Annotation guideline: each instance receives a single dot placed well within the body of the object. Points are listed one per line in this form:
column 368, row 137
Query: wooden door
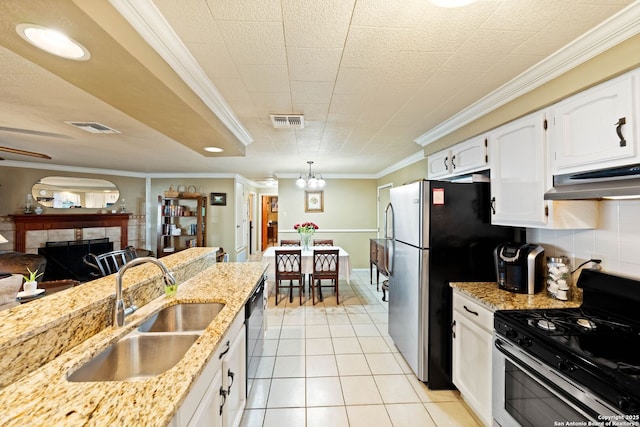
column 265, row 218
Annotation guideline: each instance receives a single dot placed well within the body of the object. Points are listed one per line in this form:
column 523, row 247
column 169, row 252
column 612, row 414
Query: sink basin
column 135, row 357
column 182, row 317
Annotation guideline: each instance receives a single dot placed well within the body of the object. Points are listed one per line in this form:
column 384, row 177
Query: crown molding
column 401, row 164
column 67, row 168
column 147, row 20
column 611, row 32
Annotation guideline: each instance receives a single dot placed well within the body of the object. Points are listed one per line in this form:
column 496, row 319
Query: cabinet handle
column 225, row 351
column 493, row 205
column 621, row 121
column 223, row 393
column 230, row 374
column 453, row 329
column 470, row 311
column 446, row 165
column 453, row 159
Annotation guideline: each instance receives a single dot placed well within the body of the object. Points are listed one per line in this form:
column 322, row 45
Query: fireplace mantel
column 24, row 223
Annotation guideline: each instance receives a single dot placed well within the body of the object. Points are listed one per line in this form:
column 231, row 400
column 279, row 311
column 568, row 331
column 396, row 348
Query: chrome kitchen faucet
column 120, row 311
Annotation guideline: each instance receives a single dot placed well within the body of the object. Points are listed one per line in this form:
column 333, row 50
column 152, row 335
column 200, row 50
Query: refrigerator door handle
column 389, row 238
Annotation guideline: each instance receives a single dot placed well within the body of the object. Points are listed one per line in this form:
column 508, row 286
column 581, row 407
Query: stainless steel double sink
column 153, row 348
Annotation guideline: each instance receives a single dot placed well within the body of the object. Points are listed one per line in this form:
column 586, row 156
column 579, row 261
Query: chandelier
column 311, row 180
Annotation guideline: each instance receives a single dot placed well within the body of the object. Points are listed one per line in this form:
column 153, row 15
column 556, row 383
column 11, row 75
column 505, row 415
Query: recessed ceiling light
column 213, row 149
column 451, row 3
column 53, row 41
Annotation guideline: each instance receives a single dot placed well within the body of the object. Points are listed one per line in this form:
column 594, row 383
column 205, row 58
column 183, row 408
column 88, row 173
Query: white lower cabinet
column 234, row 380
column 218, row 397
column 472, row 331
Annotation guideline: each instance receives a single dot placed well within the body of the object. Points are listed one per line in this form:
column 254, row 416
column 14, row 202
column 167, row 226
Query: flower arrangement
column 306, row 227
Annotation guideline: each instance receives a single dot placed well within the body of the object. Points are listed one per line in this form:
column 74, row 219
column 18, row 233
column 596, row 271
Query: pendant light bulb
column 310, row 180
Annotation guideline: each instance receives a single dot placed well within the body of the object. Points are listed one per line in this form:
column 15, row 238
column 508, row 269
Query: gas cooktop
column 596, row 344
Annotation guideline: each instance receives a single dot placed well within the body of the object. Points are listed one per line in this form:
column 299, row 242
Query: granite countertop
column 494, row 298
column 45, row 397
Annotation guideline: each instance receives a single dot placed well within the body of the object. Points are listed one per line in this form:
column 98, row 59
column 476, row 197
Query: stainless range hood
column 619, row 182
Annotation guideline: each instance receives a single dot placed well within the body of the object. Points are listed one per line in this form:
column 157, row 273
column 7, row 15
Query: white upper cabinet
column 518, row 181
column 520, row 177
column 596, row 128
column 439, row 164
column 465, row 157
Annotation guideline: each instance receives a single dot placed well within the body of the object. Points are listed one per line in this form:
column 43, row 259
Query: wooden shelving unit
column 181, row 223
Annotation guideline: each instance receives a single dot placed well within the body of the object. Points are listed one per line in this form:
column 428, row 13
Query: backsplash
column 616, row 240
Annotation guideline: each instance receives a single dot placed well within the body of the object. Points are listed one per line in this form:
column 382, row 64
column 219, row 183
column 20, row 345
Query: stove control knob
column 511, row 333
column 565, row 365
column 524, row 342
column 625, row 404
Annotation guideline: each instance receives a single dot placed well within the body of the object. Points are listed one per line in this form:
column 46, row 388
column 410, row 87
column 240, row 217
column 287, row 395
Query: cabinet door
column 439, row 164
column 469, row 156
column 208, row 413
column 234, row 380
column 471, row 374
column 518, row 169
column 586, row 130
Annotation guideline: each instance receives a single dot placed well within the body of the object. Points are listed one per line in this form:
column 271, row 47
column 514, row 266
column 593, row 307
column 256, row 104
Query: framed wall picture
column 313, row 201
column 274, row 204
column 219, row 199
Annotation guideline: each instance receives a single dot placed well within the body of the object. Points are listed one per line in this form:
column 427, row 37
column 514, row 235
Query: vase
column 30, row 287
column 305, row 241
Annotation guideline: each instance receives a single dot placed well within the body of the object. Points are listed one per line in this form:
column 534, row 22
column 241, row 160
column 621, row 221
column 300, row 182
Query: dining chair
column 326, row 265
column 289, row 267
column 323, row 242
column 289, row 242
column 109, row 262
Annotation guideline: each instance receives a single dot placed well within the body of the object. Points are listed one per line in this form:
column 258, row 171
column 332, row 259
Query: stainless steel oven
column 528, row 392
column 571, row 366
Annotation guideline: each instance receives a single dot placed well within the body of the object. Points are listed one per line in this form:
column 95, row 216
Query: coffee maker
column 519, row 267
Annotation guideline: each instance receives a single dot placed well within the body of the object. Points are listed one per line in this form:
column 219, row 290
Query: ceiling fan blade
column 24, row 152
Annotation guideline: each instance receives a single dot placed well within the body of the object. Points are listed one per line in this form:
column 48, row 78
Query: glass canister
column 559, row 277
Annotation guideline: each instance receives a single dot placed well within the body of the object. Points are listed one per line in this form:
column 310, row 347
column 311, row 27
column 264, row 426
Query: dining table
column 344, row 266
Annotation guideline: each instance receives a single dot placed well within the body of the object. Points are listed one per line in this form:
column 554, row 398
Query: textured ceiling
column 370, row 76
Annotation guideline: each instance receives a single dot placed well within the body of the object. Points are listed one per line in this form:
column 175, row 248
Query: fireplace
column 64, row 259
column 77, row 222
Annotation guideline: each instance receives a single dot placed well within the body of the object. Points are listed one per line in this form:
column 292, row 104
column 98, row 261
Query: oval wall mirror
column 65, row 192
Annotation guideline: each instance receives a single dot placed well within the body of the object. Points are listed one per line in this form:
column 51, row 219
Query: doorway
column 269, row 221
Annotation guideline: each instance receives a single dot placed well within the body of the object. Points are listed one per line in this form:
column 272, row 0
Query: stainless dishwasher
column 254, row 322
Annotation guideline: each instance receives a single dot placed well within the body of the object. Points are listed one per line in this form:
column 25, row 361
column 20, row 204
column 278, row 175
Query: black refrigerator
column 439, row 232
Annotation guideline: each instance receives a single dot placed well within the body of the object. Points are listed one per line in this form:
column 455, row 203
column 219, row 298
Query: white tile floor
column 334, row 365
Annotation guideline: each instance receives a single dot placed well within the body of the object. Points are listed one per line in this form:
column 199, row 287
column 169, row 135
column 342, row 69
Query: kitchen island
column 43, row 396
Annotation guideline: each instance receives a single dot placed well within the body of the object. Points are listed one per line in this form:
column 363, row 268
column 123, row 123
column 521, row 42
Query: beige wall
column 16, row 183
column 220, row 220
column 413, row 172
column 349, row 216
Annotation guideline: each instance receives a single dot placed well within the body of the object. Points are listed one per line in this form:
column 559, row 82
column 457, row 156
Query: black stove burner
column 545, row 324
column 586, row 323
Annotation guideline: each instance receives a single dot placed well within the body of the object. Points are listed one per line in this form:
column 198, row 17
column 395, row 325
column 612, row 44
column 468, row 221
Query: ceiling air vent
column 287, row 121
column 93, row 127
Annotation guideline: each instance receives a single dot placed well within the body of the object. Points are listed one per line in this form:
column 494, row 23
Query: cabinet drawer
column 474, row 311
